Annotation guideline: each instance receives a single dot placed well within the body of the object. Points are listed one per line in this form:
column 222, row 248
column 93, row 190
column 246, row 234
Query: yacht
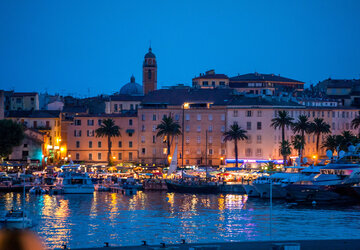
column 71, row 181
column 336, row 182
column 16, row 220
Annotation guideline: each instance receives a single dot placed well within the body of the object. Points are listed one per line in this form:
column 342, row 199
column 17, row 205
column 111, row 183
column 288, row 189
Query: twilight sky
column 93, row 47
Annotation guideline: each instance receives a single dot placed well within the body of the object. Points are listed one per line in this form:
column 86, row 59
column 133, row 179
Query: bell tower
column 149, row 72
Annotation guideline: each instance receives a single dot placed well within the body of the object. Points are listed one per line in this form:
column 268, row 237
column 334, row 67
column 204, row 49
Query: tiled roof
column 126, row 98
column 34, row 114
column 212, row 76
column 257, row 77
column 124, row 114
column 180, row 96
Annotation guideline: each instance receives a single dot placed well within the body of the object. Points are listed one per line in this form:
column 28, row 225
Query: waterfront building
column 47, row 122
column 210, row 80
column 2, row 104
column 84, row 146
column 24, row 101
column 149, row 72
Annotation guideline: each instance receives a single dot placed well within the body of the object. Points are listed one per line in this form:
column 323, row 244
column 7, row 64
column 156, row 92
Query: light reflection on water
column 91, row 220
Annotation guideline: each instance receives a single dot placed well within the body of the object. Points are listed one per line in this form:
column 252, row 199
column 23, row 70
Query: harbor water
column 89, row 220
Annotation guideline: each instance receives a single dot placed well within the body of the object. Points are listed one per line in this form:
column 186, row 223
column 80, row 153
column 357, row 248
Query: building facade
column 24, row 101
column 149, row 72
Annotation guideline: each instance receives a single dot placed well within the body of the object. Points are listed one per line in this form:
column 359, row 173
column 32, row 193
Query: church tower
column 149, row 72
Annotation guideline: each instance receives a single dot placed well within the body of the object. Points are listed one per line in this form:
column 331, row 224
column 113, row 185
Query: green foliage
column 355, row 123
column 168, row 128
column 285, row 148
column 11, row 135
column 318, row 127
column 235, row 134
column 298, row 143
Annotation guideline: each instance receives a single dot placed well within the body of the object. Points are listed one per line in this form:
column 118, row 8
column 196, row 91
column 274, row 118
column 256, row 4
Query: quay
column 339, row 244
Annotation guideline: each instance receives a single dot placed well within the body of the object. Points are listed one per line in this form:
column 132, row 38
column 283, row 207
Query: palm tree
column 331, row 142
column 168, row 128
column 236, row 133
column 283, row 119
column 108, row 129
column 347, row 138
column 285, row 149
column 301, row 126
column 318, row 127
column 298, row 143
column 355, row 123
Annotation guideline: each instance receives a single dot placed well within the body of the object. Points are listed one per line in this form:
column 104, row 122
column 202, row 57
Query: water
column 90, row 220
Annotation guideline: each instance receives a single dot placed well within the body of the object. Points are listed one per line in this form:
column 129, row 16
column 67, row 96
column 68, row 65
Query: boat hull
column 251, row 191
column 184, row 188
column 78, row 190
column 278, row 192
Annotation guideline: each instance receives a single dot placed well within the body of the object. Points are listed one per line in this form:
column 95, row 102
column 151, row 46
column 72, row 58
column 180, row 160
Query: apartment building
column 24, row 101
column 84, row 146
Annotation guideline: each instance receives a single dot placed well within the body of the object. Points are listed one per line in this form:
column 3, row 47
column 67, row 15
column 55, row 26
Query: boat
column 337, row 182
column 37, row 190
column 250, row 190
column 71, row 181
column 16, row 220
column 184, row 186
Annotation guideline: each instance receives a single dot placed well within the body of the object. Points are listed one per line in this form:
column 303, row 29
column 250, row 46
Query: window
column 177, row 117
column 154, row 117
column 210, row 139
column 142, row 139
column 25, row 145
column 99, row 122
column 210, row 128
column 90, row 122
column 213, row 83
column 130, row 122
column 198, row 151
column 143, row 117
column 259, row 113
column 258, row 152
column 248, row 152
column 99, row 156
column 223, row 117
column 187, row 128
column 154, row 139
column 130, row 156
column 198, row 117
column 115, row 107
column 120, row 144
column 99, row 144
column 149, row 74
column 131, row 106
column 222, row 128
column 120, row 156
column 205, row 83
column 258, row 139
column 47, row 124
column 90, row 144
column 222, row 83
column 143, row 151
column 258, row 126
column 187, row 139
column 90, row 133
column 77, row 133
column 248, row 125
column 77, row 156
column 198, row 139
column 248, row 140
column 210, row 151
column 90, row 156
column 77, row 122
column 154, row 128
column 235, row 113
column 198, row 129
column 77, row 144
column 130, row 144
column 143, row 128
column 187, row 117
column 210, row 117
column 248, row 113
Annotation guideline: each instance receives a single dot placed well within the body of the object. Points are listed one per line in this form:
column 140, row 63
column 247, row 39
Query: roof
column 180, row 96
column 150, row 54
column 22, row 94
column 34, row 114
column 212, row 76
column 124, row 114
column 257, row 77
column 74, row 109
column 131, row 88
column 259, row 101
column 126, row 98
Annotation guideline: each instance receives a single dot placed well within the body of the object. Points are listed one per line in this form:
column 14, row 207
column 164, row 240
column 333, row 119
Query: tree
column 236, row 133
column 281, row 121
column 331, row 142
column 108, row 129
column 355, row 123
column 298, row 143
column 285, row 149
column 318, row 127
column 11, row 135
column 302, row 126
column 167, row 129
column 347, row 138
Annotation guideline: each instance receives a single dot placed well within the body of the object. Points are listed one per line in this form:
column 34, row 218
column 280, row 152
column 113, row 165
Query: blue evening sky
column 93, row 47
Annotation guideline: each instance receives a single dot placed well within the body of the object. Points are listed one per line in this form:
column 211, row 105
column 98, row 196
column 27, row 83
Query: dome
column 131, row 88
column 150, row 54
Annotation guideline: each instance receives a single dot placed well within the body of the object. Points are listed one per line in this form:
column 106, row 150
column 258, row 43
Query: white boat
column 37, row 190
column 16, row 220
column 70, row 181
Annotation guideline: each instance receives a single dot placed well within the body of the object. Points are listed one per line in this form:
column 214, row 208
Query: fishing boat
column 16, row 220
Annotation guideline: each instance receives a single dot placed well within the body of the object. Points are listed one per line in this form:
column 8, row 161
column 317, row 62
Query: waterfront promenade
column 259, row 245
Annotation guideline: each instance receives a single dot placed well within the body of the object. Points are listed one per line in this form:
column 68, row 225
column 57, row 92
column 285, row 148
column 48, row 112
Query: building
column 122, row 103
column 265, row 84
column 149, row 72
column 84, row 146
column 47, row 122
column 200, row 113
column 2, row 104
column 24, row 101
column 211, row 80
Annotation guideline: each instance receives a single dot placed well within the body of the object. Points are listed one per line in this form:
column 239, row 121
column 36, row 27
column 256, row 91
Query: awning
column 130, row 131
